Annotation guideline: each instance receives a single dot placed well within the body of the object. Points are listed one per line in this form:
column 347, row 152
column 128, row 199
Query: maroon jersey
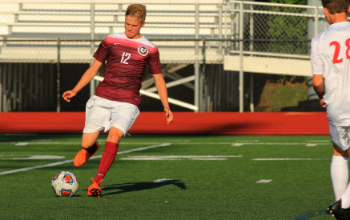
column 127, row 60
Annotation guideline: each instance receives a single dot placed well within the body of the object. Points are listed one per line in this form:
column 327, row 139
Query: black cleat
column 336, row 211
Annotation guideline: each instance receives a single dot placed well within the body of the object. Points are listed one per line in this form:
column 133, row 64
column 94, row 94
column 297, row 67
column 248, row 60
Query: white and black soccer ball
column 65, row 184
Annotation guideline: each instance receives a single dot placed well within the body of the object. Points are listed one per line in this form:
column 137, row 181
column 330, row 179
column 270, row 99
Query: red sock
column 107, row 160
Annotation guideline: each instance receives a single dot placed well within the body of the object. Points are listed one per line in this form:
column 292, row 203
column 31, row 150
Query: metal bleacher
column 69, row 32
column 76, row 24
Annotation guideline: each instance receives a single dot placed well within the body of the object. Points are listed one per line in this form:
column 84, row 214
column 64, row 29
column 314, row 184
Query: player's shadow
column 131, row 187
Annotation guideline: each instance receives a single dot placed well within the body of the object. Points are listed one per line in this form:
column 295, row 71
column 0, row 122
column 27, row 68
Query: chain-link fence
column 216, row 43
column 32, row 67
column 277, row 22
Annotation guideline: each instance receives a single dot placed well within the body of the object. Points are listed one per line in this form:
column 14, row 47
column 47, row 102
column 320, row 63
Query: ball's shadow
column 75, row 195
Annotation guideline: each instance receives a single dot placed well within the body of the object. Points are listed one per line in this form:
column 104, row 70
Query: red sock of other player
column 107, row 160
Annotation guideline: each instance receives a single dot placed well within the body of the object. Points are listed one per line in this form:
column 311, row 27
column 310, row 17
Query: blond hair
column 137, row 11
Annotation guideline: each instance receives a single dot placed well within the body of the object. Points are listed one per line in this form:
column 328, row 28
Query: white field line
column 279, row 159
column 162, row 180
column 263, row 181
column 71, row 161
column 30, row 157
column 277, row 143
column 179, row 157
column 237, row 144
column 21, row 144
column 328, row 141
column 248, row 141
column 189, row 143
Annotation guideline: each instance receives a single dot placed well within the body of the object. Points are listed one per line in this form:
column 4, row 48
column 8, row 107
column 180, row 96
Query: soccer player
column 330, row 55
column 115, row 105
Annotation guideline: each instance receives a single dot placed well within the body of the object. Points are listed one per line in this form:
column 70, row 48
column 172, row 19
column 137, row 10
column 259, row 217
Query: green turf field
column 209, row 177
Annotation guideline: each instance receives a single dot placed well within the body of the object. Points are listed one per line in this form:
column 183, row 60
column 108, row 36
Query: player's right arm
column 85, row 79
column 318, row 84
column 317, row 65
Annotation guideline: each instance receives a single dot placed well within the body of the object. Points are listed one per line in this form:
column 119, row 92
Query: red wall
column 226, row 123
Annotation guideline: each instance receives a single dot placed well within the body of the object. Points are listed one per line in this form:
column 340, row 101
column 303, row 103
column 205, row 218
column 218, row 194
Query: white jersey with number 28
column 330, row 55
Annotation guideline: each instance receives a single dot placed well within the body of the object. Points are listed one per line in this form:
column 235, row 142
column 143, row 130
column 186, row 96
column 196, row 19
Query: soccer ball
column 65, row 184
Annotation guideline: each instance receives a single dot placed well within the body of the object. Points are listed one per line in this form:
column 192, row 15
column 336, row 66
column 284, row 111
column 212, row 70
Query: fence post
column 252, row 92
column 316, row 20
column 203, row 94
column 0, row 95
column 220, row 28
column 241, row 79
column 196, row 64
column 251, row 47
column 58, row 109
column 92, row 82
column 92, row 28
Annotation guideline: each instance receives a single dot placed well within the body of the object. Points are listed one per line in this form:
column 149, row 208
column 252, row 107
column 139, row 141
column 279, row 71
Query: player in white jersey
column 330, row 58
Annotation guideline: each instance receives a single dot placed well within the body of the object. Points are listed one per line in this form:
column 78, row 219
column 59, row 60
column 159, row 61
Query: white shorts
column 340, row 136
column 103, row 113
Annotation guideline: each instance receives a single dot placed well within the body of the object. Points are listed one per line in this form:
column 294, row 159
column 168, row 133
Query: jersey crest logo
column 143, row 50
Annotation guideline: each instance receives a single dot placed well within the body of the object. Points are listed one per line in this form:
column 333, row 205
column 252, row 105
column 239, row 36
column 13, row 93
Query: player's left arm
column 163, row 94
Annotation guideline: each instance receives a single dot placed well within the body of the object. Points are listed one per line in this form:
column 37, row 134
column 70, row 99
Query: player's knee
column 115, row 135
column 338, row 151
column 86, row 144
column 114, row 139
column 342, row 154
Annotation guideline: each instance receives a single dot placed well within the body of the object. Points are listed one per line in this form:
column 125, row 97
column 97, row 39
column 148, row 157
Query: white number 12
column 125, row 57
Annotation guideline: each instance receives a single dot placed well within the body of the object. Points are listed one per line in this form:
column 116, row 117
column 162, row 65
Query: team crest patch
column 143, row 50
